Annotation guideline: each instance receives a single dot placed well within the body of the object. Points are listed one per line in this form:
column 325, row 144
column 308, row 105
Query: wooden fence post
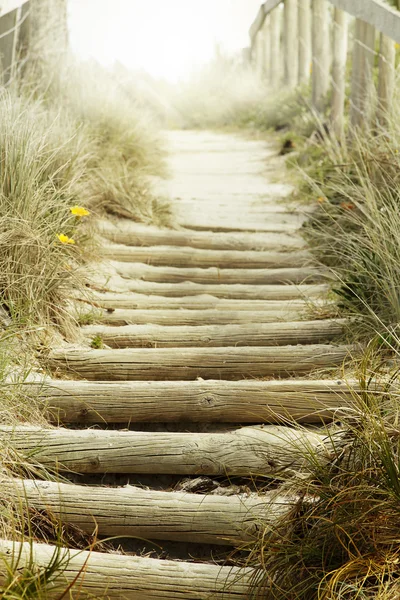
column 290, row 35
column 387, row 57
column 320, row 53
column 267, row 48
column 340, row 44
column 305, row 53
column 275, row 47
column 362, row 72
column 8, row 23
column 259, row 54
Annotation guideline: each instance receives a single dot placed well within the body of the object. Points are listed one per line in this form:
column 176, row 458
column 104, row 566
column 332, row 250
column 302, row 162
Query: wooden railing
column 14, row 16
column 295, row 41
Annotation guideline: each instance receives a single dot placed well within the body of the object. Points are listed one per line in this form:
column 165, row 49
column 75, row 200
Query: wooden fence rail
column 313, row 38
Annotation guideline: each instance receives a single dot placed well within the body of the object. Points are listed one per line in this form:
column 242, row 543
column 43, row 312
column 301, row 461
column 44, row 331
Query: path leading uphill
column 210, row 341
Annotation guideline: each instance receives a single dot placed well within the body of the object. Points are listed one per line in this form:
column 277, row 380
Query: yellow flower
column 321, row 200
column 79, row 211
column 64, row 239
column 397, row 46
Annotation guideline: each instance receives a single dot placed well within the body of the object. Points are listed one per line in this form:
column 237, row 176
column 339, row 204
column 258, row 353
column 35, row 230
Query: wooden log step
column 134, row 234
column 213, row 275
column 149, row 514
column 265, row 450
column 243, row 219
column 219, row 290
column 132, row 300
column 189, row 363
column 246, row 401
column 119, row 577
column 171, row 317
column 190, row 258
column 250, row 334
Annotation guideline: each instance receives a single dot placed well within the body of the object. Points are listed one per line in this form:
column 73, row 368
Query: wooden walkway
column 210, row 343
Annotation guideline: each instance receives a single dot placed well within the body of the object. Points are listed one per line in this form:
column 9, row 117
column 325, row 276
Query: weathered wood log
column 181, row 316
column 149, row 514
column 246, row 401
column 219, row 290
column 220, row 276
column 228, row 218
column 266, row 450
column 250, row 334
column 117, row 577
column 131, row 301
column 133, row 234
column 173, row 364
column 194, row 257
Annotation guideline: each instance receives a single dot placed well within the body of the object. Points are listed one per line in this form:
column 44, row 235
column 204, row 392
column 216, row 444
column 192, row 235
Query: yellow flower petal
column 79, row 211
column 64, row 239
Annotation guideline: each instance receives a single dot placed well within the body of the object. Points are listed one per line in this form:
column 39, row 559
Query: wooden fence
column 37, row 26
column 296, row 42
column 14, row 17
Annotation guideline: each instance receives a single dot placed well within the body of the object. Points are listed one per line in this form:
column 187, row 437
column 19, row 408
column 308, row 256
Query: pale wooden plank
column 377, row 13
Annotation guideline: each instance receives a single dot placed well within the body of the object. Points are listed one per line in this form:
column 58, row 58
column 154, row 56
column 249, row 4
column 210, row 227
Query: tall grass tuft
column 341, row 538
column 42, row 162
column 356, row 227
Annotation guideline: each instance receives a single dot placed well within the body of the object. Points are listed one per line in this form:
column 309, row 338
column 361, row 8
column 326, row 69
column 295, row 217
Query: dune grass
column 74, row 144
column 228, row 94
column 340, row 539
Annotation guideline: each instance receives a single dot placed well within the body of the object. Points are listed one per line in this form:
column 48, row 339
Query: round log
column 249, row 334
column 173, row 364
column 247, row 401
column 114, row 576
column 219, row 290
column 134, row 234
column 149, row 514
column 190, row 258
column 248, row 451
column 214, row 275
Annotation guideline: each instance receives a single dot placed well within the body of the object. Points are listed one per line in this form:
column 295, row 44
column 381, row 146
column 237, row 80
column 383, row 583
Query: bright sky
column 167, row 38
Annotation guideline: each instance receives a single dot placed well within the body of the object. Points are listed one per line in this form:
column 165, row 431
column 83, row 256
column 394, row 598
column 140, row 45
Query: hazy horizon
column 165, row 39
